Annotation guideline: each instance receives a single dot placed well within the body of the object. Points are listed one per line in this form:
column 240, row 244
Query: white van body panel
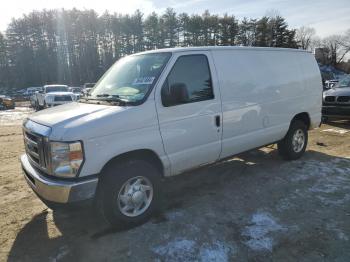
column 261, row 93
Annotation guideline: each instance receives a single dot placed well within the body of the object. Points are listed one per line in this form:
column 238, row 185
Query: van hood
column 66, row 113
column 75, row 118
column 80, row 121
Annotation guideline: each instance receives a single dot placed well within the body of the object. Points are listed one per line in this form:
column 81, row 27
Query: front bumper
column 55, row 190
column 336, row 111
column 52, row 104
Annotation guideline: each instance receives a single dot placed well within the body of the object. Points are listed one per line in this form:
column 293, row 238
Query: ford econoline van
column 159, row 113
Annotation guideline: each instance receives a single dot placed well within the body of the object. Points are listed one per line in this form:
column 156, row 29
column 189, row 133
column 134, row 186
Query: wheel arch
column 304, row 117
column 140, row 154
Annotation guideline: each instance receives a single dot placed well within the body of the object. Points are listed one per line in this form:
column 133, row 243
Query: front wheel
column 294, row 143
column 129, row 193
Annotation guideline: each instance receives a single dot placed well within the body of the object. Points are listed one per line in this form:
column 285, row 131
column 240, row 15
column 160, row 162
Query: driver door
column 190, row 125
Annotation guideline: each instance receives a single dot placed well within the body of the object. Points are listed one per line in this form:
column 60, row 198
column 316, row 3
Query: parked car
column 6, row 102
column 336, row 101
column 52, row 95
column 87, row 88
column 160, row 113
column 32, row 98
column 77, row 91
column 31, row 90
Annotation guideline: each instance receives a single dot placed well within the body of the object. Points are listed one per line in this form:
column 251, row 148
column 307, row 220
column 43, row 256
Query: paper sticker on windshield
column 147, row 80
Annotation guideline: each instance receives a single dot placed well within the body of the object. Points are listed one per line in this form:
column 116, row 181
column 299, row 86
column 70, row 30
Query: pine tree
column 229, row 30
column 170, row 27
column 77, row 46
column 262, row 34
column 152, row 31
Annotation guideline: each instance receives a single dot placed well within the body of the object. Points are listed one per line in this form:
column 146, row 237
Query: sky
column 326, row 16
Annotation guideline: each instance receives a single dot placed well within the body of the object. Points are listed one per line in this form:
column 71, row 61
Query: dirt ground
column 254, row 207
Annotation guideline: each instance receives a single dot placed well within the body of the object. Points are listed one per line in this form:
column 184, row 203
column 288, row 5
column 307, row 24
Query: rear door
column 191, row 130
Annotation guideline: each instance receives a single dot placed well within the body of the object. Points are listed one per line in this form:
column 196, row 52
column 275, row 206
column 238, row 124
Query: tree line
column 334, row 48
column 77, row 46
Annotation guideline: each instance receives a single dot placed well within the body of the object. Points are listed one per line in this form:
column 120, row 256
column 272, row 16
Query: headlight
column 66, row 158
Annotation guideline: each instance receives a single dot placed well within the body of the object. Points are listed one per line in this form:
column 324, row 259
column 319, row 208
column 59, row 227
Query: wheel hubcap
column 135, row 196
column 298, row 140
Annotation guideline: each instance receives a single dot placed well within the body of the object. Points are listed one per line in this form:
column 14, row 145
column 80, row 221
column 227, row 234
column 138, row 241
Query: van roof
column 209, row 48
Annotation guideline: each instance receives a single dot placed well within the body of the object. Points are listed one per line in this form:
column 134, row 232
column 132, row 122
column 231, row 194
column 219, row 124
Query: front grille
column 343, row 99
column 36, row 149
column 63, row 98
column 329, row 98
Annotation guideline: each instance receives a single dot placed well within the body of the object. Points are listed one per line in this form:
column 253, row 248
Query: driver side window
column 188, row 81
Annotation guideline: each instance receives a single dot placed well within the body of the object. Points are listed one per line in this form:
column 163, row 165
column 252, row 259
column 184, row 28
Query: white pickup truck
column 52, row 95
column 159, row 113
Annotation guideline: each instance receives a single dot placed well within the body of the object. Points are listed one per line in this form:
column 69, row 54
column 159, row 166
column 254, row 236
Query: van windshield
column 131, row 78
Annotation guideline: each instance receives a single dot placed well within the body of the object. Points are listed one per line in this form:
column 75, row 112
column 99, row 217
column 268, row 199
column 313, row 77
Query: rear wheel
column 37, row 106
column 129, row 193
column 294, row 143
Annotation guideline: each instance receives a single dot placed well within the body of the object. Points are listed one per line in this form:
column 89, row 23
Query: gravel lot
column 253, row 207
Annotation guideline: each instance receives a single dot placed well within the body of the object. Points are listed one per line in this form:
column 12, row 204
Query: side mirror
column 176, row 94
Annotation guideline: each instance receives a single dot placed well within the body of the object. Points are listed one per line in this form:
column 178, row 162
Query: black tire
column 285, row 146
column 113, row 179
column 37, row 107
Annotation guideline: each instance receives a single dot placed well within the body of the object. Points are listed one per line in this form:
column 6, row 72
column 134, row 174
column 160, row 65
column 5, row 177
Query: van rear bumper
column 55, row 190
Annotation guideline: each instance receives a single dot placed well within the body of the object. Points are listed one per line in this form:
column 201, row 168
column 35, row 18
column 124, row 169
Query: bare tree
column 345, row 44
column 338, row 46
column 316, row 41
column 305, row 36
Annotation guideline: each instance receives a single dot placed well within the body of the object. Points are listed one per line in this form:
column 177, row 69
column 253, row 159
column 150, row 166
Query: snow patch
column 14, row 116
column 174, row 215
column 263, row 224
column 188, row 250
column 62, row 252
column 216, row 252
column 336, row 131
column 330, row 181
column 177, row 250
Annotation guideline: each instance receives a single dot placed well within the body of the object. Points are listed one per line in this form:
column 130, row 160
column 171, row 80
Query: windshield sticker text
column 147, row 80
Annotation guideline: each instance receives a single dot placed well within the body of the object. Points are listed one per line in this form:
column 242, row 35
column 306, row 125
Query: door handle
column 217, row 121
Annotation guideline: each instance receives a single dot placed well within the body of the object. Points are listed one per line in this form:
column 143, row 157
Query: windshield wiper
column 106, row 95
column 110, row 98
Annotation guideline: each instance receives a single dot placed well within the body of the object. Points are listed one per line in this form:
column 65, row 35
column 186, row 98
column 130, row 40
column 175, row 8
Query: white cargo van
column 157, row 114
